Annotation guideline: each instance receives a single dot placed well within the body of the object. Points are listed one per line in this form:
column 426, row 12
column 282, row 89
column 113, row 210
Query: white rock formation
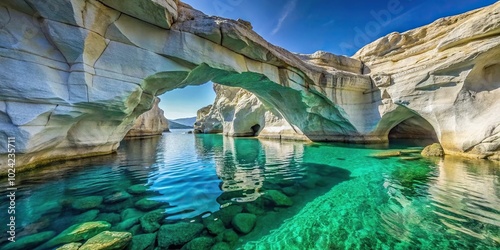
column 237, row 112
column 151, row 123
column 446, row 73
column 76, row 74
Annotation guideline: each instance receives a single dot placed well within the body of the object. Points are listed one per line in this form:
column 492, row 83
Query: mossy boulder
column 117, row 207
column 108, row 240
column 226, row 214
column 244, row 222
column 143, row 242
column 137, row 189
column 147, row 204
column 150, row 222
column 277, row 198
column 30, row 241
column 178, row 234
column 433, row 150
column 254, row 209
column 130, row 213
column 221, row 246
column 70, row 246
column 87, row 203
column 230, row 236
column 126, row 224
column 90, row 215
column 78, row 232
column 112, row 218
column 199, row 243
column 214, row 225
column 117, row 196
column 291, row 191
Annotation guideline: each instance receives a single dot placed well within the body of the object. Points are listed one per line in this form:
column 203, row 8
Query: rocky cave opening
column 413, row 131
column 255, row 129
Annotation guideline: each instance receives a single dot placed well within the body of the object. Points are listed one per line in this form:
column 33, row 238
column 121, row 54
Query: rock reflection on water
column 463, row 195
column 247, row 165
column 459, row 198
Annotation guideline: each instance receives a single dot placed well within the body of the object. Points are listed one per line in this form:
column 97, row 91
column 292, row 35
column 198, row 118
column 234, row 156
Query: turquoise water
column 336, row 196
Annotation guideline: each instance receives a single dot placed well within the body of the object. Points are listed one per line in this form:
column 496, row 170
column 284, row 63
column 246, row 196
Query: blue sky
column 305, row 26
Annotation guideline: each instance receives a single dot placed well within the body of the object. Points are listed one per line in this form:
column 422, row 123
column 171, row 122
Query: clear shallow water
column 342, row 198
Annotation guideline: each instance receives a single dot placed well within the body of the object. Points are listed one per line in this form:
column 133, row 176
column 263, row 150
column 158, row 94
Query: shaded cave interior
column 413, row 131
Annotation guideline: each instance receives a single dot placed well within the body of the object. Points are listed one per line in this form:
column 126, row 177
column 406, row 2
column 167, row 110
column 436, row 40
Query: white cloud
column 290, row 6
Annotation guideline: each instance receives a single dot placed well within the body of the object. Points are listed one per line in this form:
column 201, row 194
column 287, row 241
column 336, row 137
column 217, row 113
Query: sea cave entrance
column 413, row 131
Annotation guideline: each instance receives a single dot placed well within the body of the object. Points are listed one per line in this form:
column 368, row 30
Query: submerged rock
column 277, row 198
column 386, row 154
column 130, row 213
column 143, row 242
column 126, row 224
column 433, row 150
column 137, row 189
column 30, row 241
column 147, row 204
column 117, row 197
column 199, row 243
column 226, row 214
column 70, row 246
column 214, row 225
column 85, row 217
column 150, row 221
column 87, row 203
column 221, row 246
column 254, row 209
column 178, row 234
column 291, row 191
column 244, row 223
column 78, row 232
column 230, row 236
column 112, row 218
column 108, row 241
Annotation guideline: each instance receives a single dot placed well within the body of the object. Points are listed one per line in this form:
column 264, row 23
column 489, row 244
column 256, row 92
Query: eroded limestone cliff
column 75, row 76
column 237, row 112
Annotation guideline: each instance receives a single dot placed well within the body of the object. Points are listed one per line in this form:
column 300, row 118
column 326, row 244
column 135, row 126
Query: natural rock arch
column 78, row 73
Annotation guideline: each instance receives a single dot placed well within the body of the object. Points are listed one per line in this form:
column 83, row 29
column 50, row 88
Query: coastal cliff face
column 446, row 73
column 75, row 76
column 151, row 123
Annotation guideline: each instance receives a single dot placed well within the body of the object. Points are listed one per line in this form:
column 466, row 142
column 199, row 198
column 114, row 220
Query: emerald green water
column 342, row 197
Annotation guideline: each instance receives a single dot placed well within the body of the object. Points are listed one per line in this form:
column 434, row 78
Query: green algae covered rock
column 230, row 236
column 87, row 203
column 90, row 215
column 214, row 225
column 112, row 218
column 70, row 246
column 150, row 221
column 126, row 225
column 30, row 241
column 78, row 232
column 221, row 246
column 178, row 234
column 277, row 198
column 115, row 197
column 143, row 242
column 137, row 189
column 130, row 213
column 244, row 223
column 146, row 204
column 108, row 240
column 199, row 243
column 226, row 214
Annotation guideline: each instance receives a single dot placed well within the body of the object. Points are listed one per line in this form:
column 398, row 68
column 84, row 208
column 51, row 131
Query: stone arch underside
column 76, row 74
